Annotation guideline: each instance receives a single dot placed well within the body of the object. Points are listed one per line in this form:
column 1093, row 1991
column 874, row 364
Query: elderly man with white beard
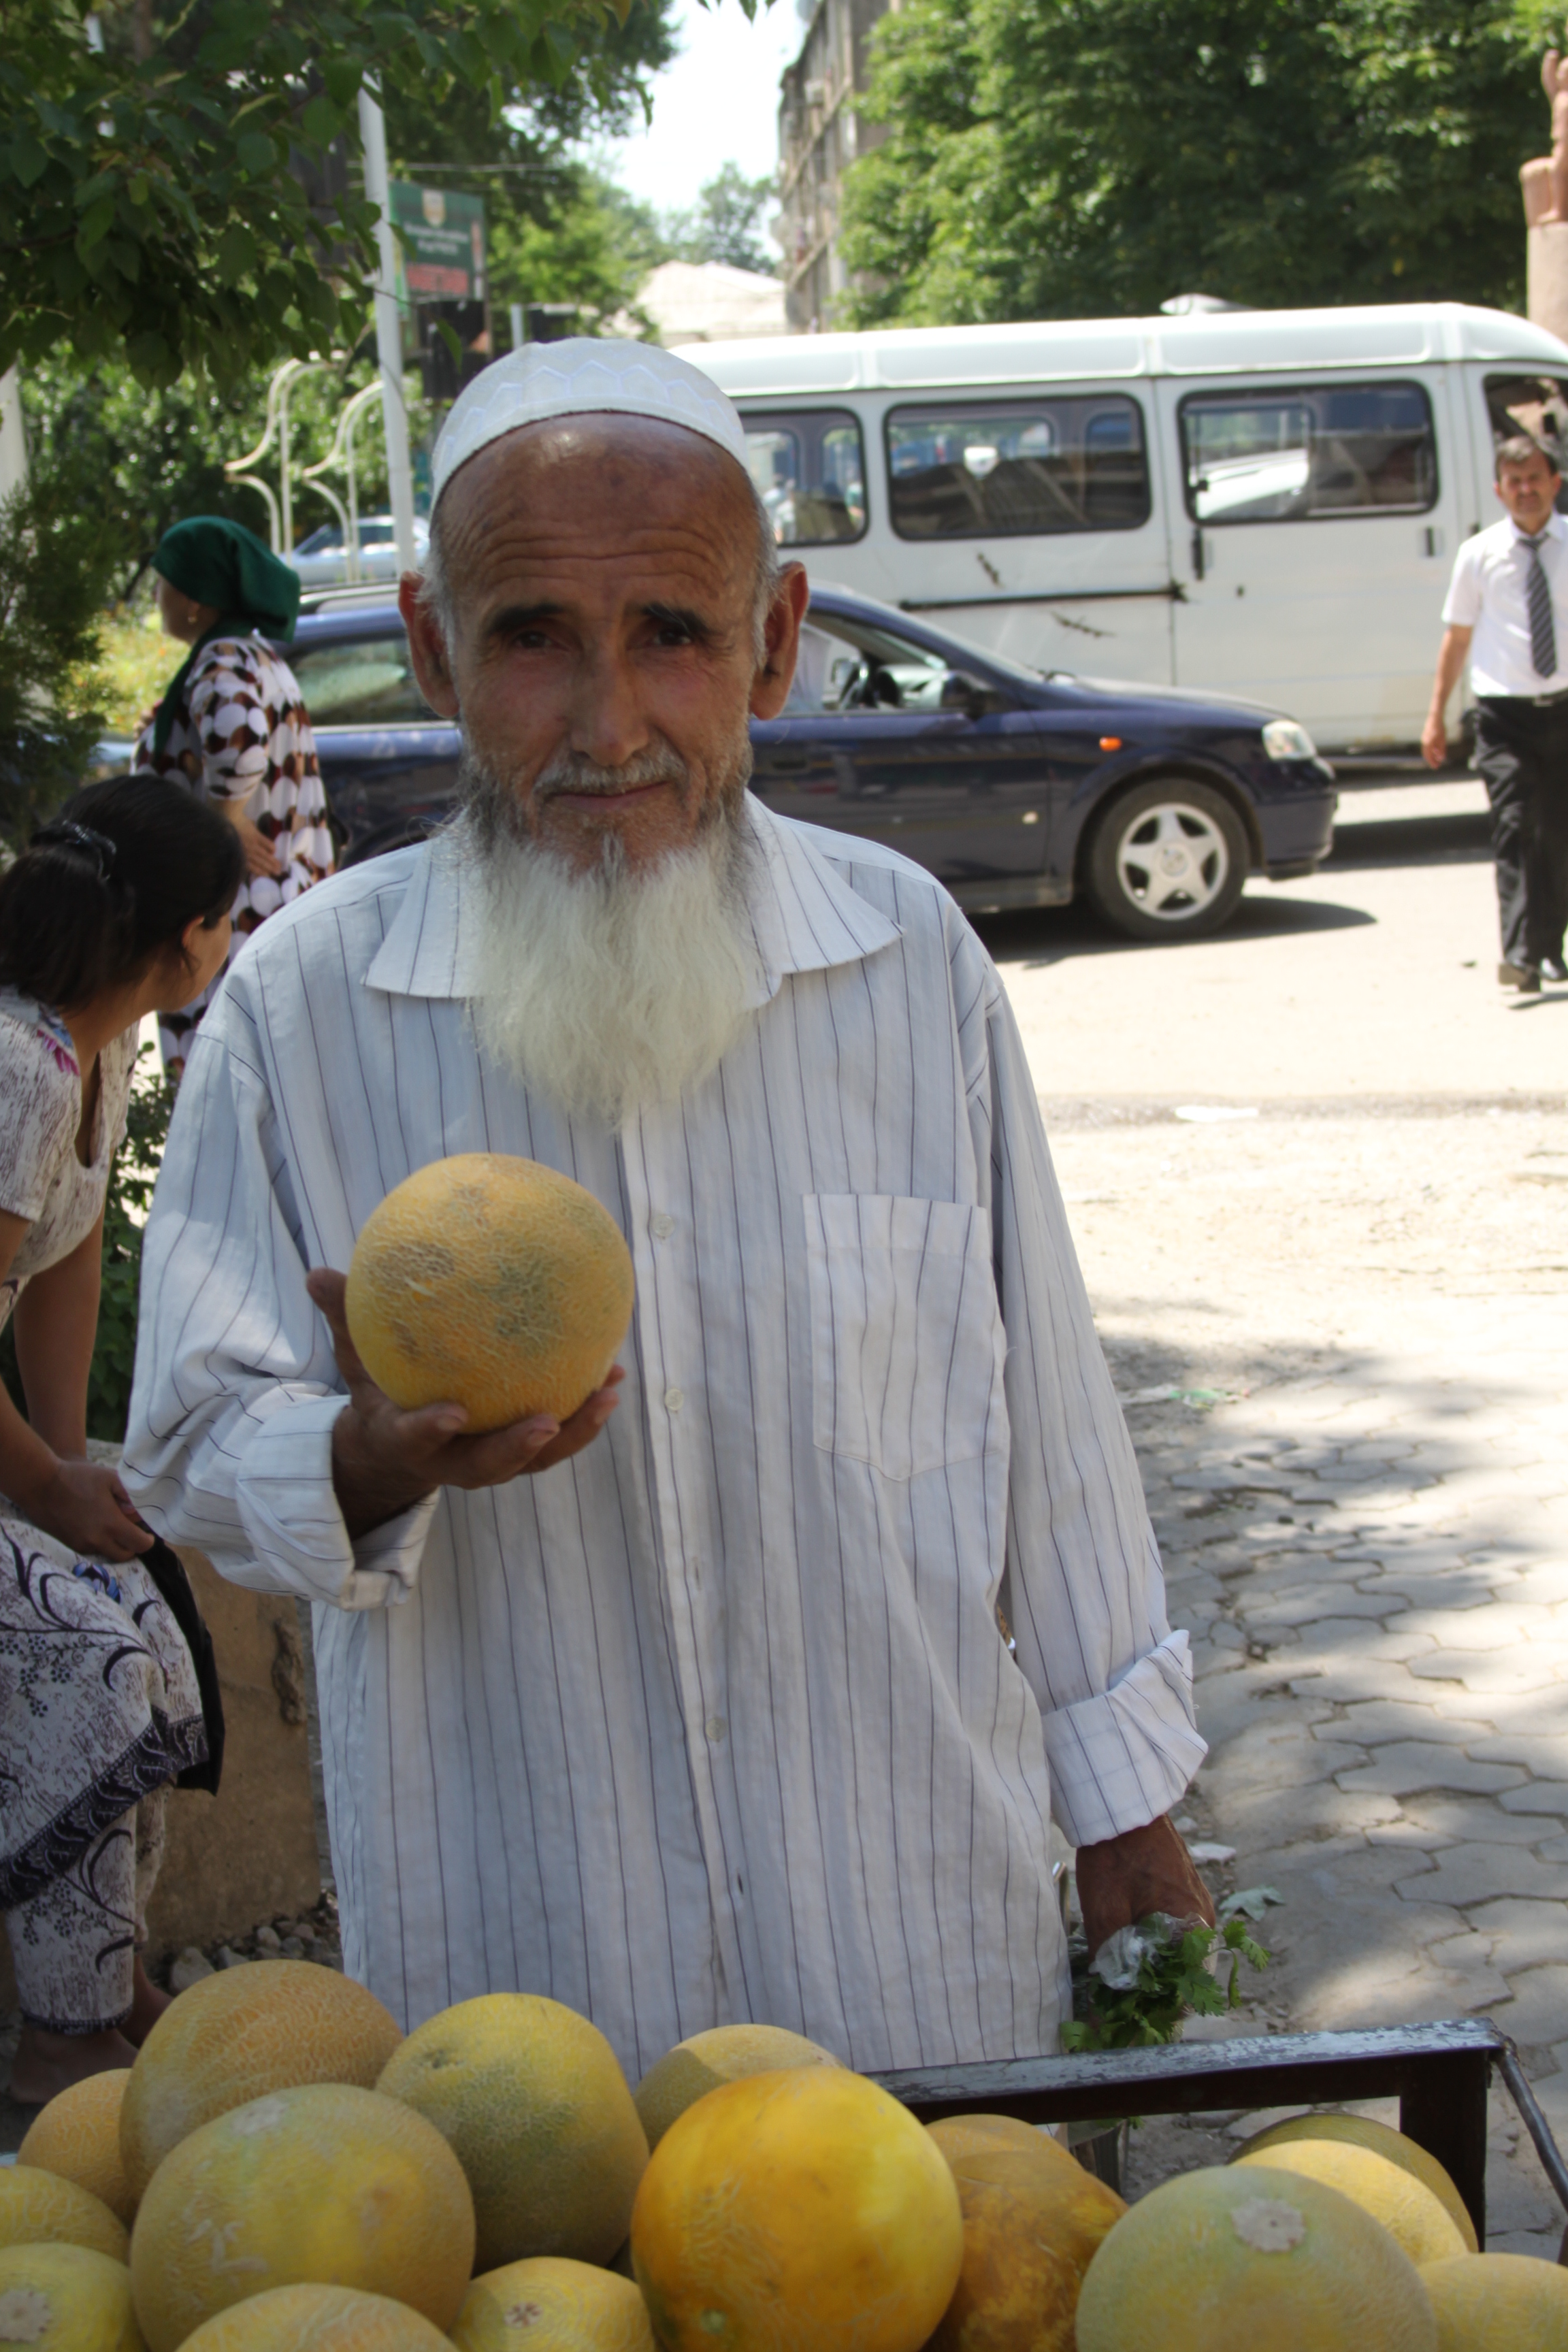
column 696, row 1707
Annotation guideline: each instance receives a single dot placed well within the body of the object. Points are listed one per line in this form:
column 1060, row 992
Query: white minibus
column 1261, row 503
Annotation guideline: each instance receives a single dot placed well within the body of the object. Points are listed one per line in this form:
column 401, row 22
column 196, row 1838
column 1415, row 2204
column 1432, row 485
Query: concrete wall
column 249, row 1853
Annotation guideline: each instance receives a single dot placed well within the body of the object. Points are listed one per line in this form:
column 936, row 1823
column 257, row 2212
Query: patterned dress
column 245, row 737
column 99, row 1705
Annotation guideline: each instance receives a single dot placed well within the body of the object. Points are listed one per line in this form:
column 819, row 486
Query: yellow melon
column 1407, row 2210
column 549, row 2305
column 1363, row 2131
column 237, row 2034
column 38, row 2208
column 66, row 2299
column 1498, row 2303
column 723, row 2055
column 796, row 2210
column 959, row 2135
column 491, row 1283
column 1033, row 2223
column 78, row 2136
column 327, row 2185
column 316, row 2320
column 532, row 2099
column 1233, row 2260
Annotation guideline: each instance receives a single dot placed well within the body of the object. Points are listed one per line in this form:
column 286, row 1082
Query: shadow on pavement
column 1464, row 839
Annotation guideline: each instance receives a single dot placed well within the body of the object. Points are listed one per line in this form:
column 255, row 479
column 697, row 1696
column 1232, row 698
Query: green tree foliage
column 1073, row 158
column 584, row 241
column 56, row 559
column 152, row 196
column 727, row 223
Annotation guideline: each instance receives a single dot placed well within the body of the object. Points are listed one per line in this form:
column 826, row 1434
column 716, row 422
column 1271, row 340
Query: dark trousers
column 1521, row 750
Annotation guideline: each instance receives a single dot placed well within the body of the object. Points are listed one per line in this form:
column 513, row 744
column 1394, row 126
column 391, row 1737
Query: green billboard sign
column 441, row 255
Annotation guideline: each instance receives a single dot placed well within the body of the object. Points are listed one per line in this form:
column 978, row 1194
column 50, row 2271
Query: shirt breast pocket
column 907, row 1345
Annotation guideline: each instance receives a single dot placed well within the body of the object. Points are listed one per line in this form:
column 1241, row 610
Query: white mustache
column 569, row 771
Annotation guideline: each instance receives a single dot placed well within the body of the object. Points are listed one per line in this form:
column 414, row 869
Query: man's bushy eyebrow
column 518, row 616
column 681, row 616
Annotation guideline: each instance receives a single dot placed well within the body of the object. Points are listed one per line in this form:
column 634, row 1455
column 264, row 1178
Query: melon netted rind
column 58, row 2298
column 325, row 2184
column 1033, row 2221
column 77, row 2136
column 1365, row 2131
column 961, row 2136
column 492, row 1282
column 1413, row 2216
column 316, row 2320
column 1498, row 2303
column 1227, row 2259
column 237, row 2034
column 533, row 2100
column 550, row 2305
column 798, row 2211
column 724, row 2053
column 40, row 2208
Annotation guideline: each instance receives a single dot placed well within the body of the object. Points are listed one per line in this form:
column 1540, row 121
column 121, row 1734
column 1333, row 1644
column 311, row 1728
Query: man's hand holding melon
column 490, row 1297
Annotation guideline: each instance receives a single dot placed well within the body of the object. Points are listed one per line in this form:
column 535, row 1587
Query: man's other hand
column 1142, row 1871
column 1435, row 740
column 384, row 1460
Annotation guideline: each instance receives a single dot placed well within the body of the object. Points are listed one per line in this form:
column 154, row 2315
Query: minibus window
column 1302, row 455
column 997, row 470
column 809, row 466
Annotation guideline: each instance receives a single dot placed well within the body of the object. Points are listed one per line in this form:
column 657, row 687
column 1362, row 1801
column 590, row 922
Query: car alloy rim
column 1172, row 862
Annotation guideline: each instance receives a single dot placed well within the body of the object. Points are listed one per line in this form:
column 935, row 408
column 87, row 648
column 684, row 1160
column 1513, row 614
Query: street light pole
column 388, row 326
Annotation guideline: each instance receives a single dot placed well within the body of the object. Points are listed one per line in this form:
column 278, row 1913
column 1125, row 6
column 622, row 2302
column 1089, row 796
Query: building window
column 809, row 466
column 998, row 470
column 1302, row 455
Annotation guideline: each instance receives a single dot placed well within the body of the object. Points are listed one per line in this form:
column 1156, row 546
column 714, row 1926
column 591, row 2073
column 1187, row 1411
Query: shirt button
column 675, row 1399
column 660, row 1226
column 716, row 1727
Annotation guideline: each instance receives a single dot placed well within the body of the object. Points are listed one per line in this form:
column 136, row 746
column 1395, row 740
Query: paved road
column 1362, row 1497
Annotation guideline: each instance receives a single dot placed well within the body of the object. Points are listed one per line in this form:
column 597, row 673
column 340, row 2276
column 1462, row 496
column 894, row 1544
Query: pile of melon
column 283, row 2171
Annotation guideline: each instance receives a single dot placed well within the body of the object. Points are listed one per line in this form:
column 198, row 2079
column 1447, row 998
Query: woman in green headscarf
column 233, row 723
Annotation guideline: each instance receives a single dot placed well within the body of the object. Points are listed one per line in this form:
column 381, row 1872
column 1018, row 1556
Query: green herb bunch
column 1144, row 1981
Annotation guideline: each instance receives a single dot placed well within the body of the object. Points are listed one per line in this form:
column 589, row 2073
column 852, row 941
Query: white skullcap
column 581, row 377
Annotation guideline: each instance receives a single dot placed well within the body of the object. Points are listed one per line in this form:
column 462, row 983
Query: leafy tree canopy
column 727, row 223
column 1062, row 158
column 154, row 160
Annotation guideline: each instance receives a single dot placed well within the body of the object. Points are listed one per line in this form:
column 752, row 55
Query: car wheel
column 1167, row 861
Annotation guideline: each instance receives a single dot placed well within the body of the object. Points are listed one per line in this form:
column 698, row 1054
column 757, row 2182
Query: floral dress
column 99, row 1707
column 245, row 737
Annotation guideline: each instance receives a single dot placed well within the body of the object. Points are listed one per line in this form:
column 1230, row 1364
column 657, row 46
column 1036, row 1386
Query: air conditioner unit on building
column 816, row 93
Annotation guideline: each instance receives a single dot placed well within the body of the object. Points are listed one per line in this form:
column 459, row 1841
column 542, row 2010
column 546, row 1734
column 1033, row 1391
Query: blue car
column 1015, row 788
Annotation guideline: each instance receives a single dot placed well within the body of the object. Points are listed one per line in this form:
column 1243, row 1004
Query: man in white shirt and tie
column 693, row 1709
column 1507, row 611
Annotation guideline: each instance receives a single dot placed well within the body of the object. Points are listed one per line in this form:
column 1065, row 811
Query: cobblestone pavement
column 1367, row 1534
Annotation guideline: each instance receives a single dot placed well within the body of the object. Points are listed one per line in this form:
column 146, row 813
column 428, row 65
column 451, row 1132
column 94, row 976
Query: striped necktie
column 1538, row 596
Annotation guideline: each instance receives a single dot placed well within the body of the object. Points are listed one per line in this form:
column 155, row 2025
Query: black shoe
column 1553, row 968
column 1522, row 976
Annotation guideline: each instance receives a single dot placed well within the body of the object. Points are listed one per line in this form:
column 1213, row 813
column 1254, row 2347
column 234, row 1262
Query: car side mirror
column 961, row 691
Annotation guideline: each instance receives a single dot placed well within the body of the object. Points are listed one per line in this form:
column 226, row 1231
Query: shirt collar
column 804, row 915
column 1556, row 526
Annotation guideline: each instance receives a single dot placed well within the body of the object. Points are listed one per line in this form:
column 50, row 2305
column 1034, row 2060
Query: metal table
column 1439, row 2074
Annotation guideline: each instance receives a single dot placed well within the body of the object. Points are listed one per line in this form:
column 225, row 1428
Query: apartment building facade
column 820, row 135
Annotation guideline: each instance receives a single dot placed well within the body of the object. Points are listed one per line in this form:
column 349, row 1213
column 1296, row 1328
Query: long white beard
column 614, row 989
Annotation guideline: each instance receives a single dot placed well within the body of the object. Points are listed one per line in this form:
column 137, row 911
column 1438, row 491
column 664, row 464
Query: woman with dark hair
column 119, row 908
column 233, row 724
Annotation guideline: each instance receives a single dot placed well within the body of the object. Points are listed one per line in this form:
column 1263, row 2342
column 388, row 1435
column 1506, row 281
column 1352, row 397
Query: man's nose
column 606, row 721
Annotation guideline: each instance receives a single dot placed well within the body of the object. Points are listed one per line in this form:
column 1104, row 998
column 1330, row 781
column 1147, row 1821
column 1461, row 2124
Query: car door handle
column 1198, row 553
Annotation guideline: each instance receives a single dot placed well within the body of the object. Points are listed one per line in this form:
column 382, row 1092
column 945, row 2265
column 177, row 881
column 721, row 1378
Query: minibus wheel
column 1167, row 860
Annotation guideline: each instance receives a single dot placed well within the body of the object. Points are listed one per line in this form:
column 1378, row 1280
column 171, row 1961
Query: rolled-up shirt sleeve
column 237, row 1389
column 1085, row 1592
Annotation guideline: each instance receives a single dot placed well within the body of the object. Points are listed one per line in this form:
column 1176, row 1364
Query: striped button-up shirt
column 714, row 1721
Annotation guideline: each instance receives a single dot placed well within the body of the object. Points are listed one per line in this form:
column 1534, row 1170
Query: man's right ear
column 427, row 647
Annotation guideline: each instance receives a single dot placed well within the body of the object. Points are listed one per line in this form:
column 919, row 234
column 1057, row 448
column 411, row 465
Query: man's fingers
column 330, row 1289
